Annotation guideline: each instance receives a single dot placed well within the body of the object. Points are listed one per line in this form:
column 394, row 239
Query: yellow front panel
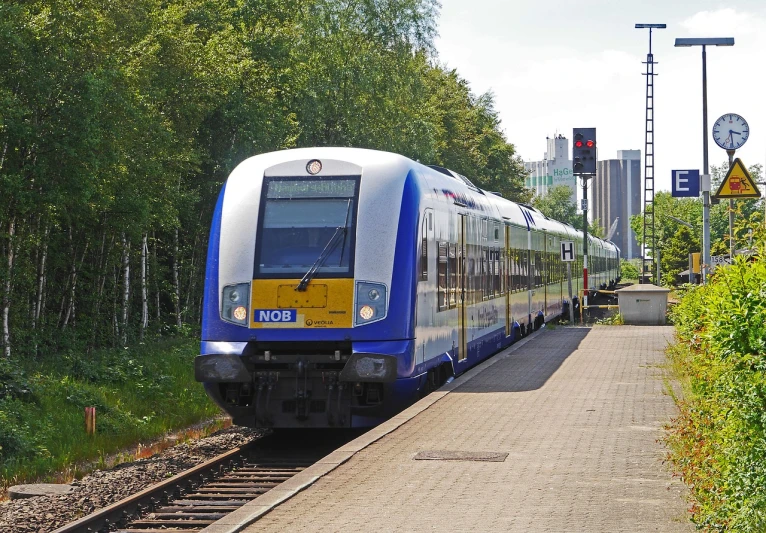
column 326, row 303
column 314, row 296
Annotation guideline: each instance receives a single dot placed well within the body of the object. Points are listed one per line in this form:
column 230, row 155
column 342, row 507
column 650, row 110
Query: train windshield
column 305, row 224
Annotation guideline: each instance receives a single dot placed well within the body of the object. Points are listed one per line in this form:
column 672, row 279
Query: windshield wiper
column 328, row 249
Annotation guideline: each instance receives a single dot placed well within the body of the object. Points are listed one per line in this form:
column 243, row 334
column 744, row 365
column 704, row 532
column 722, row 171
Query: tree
column 674, row 245
column 119, row 122
column 675, row 252
column 558, row 205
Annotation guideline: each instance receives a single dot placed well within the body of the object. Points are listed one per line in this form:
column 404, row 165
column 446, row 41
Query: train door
column 530, row 254
column 507, row 281
column 545, row 270
column 461, row 286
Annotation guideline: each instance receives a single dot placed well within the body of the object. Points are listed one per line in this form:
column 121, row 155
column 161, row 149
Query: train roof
column 444, row 184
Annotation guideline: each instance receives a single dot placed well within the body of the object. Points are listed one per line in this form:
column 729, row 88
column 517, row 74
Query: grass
column 140, row 394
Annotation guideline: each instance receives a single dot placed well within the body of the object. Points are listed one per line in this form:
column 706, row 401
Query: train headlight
column 314, row 166
column 371, row 302
column 370, row 367
column 234, row 303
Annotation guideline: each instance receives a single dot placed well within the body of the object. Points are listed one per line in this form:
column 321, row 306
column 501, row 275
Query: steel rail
column 133, row 506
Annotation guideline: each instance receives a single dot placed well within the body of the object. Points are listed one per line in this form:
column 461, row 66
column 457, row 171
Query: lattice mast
column 649, row 243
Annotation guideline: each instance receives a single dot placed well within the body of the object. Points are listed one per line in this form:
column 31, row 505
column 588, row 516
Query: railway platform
column 559, row 433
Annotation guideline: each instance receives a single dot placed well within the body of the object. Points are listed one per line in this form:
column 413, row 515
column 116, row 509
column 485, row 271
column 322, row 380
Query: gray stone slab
column 18, row 492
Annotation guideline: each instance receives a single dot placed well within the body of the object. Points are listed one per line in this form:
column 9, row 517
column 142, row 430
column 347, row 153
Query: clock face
column 730, row 131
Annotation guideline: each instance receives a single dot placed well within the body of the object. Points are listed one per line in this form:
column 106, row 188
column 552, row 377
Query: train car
column 343, row 284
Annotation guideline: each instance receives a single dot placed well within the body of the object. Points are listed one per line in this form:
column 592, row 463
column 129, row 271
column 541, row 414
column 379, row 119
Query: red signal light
column 590, row 144
column 578, row 144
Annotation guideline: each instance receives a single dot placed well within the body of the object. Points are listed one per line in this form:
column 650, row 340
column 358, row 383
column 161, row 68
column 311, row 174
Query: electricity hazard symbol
column 738, row 183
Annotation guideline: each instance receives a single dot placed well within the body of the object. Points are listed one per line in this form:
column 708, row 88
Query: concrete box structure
column 644, row 304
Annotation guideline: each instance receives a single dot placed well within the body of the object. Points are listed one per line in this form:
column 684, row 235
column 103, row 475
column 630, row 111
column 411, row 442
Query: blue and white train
column 343, row 284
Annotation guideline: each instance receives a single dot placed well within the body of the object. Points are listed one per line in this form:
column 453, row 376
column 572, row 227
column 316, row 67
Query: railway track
column 192, row 500
column 215, row 499
column 196, row 498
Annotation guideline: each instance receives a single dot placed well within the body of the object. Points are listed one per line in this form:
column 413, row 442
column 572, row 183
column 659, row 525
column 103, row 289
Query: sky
column 553, row 65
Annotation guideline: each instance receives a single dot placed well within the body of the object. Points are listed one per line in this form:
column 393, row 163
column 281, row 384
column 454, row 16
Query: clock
column 730, row 131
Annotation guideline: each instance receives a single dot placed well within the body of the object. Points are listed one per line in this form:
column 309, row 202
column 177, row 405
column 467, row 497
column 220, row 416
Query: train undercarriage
column 294, row 385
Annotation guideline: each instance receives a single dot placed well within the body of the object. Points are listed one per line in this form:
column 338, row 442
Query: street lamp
column 703, row 42
column 682, row 222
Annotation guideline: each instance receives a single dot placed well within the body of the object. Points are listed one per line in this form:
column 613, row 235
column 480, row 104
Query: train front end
column 304, row 324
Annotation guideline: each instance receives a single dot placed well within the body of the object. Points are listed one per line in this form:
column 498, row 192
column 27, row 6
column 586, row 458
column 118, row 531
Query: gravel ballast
column 104, row 487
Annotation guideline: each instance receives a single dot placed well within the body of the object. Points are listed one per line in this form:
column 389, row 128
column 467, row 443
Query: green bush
column 629, row 270
column 139, row 394
column 13, row 382
column 719, row 441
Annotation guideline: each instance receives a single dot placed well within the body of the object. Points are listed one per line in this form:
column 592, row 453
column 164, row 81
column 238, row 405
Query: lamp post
column 703, row 42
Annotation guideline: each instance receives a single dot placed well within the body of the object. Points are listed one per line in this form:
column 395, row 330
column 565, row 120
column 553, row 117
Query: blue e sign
column 686, row 183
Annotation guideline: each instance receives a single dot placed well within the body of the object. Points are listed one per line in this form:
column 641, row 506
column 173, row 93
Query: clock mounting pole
column 738, row 132
column 732, row 248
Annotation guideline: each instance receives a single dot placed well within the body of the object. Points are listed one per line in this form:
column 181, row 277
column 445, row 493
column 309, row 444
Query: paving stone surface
column 580, row 413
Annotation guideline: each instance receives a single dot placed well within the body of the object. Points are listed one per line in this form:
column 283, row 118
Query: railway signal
column 584, row 151
column 584, row 165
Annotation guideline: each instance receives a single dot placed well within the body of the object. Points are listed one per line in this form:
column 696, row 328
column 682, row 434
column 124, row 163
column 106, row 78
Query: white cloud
column 547, row 79
column 723, row 22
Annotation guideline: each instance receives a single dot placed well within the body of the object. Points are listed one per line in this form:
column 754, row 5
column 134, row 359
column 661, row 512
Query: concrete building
column 616, row 193
column 555, row 168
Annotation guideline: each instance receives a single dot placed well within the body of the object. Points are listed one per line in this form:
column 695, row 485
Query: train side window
column 515, row 267
column 484, row 273
column 442, row 267
column 501, row 271
column 490, row 273
column 538, row 268
column 471, row 274
column 424, row 248
column 452, row 273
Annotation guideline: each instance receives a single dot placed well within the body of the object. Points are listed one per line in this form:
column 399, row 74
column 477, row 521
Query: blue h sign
column 686, row 183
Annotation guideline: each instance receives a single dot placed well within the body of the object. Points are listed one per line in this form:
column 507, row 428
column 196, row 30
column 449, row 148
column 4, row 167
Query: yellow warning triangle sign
column 738, row 183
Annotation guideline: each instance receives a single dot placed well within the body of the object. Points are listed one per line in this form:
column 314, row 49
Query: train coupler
column 265, row 383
